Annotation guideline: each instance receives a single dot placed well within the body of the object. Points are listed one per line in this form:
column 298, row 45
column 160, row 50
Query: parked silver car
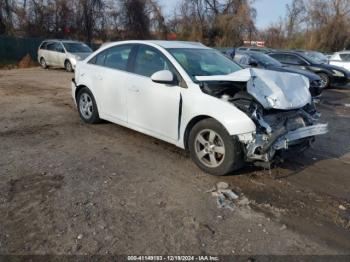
column 62, row 53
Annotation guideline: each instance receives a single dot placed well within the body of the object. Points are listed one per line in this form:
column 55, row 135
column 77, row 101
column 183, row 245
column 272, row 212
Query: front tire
column 213, row 149
column 324, row 80
column 87, row 106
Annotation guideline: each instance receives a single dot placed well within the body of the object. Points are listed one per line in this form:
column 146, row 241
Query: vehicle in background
column 62, row 53
column 260, row 60
column 341, row 59
column 254, row 48
column 331, row 76
column 315, row 55
column 197, row 99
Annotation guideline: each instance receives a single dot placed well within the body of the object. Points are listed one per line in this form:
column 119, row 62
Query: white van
column 62, row 53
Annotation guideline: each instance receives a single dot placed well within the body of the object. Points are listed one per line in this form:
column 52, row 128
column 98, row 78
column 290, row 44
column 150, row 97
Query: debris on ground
column 283, row 227
column 225, row 197
column 27, row 62
column 342, row 207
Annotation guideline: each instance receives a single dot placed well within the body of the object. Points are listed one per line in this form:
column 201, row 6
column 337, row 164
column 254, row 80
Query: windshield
column 316, row 57
column 77, row 48
column 265, row 60
column 203, row 62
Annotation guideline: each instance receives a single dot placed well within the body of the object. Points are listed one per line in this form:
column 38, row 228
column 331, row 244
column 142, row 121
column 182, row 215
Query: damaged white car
column 197, row 99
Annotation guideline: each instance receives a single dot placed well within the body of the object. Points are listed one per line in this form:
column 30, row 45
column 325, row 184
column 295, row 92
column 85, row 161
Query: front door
column 152, row 106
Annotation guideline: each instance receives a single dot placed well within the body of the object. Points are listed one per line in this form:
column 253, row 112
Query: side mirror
column 163, row 77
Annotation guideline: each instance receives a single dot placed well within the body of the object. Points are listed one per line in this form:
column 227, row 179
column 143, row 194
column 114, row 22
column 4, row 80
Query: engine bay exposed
column 276, row 129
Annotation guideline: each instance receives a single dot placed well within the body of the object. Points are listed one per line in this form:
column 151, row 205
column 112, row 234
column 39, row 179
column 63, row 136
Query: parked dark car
column 255, row 59
column 254, row 49
column 315, row 55
column 330, row 75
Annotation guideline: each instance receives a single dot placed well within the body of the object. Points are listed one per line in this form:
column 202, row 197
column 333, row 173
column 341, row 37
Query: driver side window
column 149, row 60
column 294, row 60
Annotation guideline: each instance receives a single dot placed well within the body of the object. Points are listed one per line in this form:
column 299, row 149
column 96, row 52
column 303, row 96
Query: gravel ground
column 72, row 188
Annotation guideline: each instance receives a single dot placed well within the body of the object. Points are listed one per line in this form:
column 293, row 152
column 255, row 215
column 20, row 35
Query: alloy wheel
column 69, row 67
column 86, row 105
column 43, row 63
column 209, row 148
column 324, row 80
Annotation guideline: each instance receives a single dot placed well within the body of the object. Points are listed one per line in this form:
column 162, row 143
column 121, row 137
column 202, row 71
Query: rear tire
column 213, row 149
column 87, row 106
column 68, row 66
column 43, row 63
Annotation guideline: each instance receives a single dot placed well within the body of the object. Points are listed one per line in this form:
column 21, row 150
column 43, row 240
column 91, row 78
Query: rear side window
column 43, row 45
column 279, row 57
column 116, row 57
column 50, row 46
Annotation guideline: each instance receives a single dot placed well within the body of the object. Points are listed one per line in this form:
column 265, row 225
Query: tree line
column 312, row 24
column 214, row 22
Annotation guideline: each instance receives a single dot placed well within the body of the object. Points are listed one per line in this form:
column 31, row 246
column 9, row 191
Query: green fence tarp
column 15, row 48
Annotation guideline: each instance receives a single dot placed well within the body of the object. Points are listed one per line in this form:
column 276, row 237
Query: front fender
column 196, row 104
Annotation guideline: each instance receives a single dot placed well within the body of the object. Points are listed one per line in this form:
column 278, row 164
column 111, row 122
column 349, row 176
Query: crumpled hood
column 278, row 90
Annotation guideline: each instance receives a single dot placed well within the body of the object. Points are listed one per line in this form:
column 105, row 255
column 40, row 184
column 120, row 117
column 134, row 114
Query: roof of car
column 61, row 40
column 342, row 52
column 178, row 44
column 164, row 44
column 285, row 52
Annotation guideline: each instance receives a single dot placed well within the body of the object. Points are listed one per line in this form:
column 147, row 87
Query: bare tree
column 296, row 13
column 92, row 10
column 216, row 22
column 135, row 19
column 6, row 9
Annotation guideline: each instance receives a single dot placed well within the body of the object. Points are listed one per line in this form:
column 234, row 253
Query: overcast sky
column 268, row 11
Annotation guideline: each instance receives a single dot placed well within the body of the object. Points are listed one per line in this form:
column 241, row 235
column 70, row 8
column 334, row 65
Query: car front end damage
column 279, row 104
column 278, row 131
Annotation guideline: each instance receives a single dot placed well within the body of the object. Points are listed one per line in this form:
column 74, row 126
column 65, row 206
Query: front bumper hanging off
column 300, row 133
column 263, row 147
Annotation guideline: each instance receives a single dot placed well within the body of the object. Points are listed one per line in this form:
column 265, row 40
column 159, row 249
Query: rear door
column 60, row 54
column 110, row 77
column 50, row 53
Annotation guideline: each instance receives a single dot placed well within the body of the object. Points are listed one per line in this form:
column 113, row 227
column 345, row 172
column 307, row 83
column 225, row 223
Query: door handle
column 99, row 77
column 134, row 89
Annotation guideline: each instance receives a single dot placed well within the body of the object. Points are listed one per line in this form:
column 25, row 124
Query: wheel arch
column 191, row 124
column 67, row 59
column 78, row 88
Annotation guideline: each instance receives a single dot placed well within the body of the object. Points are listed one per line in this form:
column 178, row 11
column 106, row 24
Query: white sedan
column 341, row 59
column 195, row 98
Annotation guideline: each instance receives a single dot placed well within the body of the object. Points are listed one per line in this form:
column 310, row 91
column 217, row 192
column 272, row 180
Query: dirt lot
column 71, row 188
